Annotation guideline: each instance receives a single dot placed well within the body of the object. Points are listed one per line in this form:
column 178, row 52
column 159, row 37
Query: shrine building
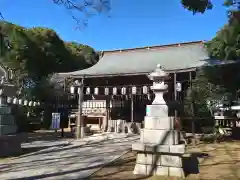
column 117, row 86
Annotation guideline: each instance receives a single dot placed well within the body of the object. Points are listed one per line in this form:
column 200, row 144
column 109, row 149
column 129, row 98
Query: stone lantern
column 159, row 87
column 159, row 151
column 10, row 140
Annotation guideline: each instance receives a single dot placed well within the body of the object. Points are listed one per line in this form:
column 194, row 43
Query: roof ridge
column 155, row 46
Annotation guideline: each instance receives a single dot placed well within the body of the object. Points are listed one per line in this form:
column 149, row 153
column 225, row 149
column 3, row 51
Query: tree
column 200, row 6
column 197, row 6
column 212, row 84
column 223, row 80
column 91, row 7
column 206, row 91
column 37, row 53
column 226, row 44
column 82, row 10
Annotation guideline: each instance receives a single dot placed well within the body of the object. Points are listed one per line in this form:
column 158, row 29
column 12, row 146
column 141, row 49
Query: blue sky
column 132, row 23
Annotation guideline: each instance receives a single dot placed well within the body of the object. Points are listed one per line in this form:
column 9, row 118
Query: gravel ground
column 62, row 159
column 218, row 162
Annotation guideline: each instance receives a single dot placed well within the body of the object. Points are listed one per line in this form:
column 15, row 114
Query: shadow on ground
column 46, row 136
column 68, row 161
column 29, row 140
column 51, row 175
column 191, row 162
column 119, row 169
column 95, row 144
column 126, row 164
column 27, row 151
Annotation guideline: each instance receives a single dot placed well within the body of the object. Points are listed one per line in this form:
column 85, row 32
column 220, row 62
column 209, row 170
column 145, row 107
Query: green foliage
column 36, row 53
column 213, row 83
column 226, row 44
column 203, row 95
column 200, row 6
column 210, row 86
column 197, row 6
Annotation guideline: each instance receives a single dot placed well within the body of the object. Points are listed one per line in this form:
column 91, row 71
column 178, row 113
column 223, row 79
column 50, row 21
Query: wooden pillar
column 193, row 118
column 56, row 109
column 175, row 100
column 107, row 118
column 100, row 119
column 64, row 90
column 132, row 109
column 80, row 127
column 175, row 92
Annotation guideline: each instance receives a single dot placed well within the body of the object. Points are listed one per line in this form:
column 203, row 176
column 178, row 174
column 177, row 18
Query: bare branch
column 80, row 23
column 1, row 16
column 85, row 9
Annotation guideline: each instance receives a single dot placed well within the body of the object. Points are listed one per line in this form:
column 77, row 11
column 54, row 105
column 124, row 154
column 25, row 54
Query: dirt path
column 222, row 162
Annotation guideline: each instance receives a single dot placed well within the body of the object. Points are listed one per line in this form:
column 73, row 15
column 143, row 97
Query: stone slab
column 153, row 122
column 5, row 110
column 7, row 119
column 158, row 170
column 157, row 110
column 159, row 159
column 7, row 129
column 143, row 169
column 161, row 171
column 171, row 160
column 175, row 149
column 160, row 137
column 144, row 158
column 177, row 172
column 10, row 145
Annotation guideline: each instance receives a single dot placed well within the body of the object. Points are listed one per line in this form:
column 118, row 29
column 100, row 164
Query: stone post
column 9, row 140
column 159, row 151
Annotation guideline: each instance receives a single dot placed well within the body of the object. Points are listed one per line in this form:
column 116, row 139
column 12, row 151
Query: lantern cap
column 159, row 73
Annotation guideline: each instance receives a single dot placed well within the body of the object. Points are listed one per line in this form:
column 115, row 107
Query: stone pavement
column 67, row 160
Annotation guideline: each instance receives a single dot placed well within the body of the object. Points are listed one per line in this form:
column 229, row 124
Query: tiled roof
column 144, row 60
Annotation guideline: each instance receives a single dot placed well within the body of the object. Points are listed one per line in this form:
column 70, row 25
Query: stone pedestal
column 159, row 151
column 10, row 145
column 10, row 142
column 7, row 123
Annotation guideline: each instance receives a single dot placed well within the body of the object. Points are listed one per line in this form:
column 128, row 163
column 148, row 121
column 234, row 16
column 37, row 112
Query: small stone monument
column 10, row 141
column 159, row 151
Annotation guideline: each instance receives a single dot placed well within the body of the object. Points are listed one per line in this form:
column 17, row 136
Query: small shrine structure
column 9, row 140
column 10, row 100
